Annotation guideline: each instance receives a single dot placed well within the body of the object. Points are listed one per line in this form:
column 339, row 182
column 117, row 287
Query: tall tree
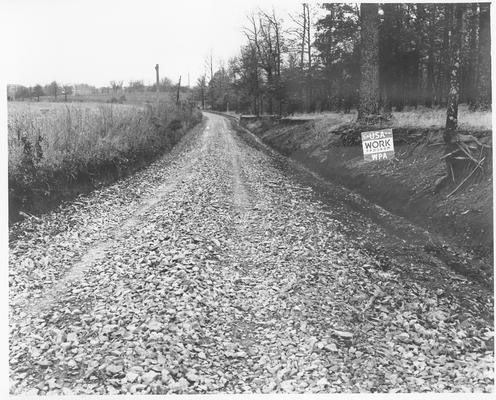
column 67, row 91
column 309, row 84
column 484, row 76
column 471, row 71
column 455, row 32
column 201, row 84
column 453, row 164
column 54, row 89
column 38, row 91
column 369, row 62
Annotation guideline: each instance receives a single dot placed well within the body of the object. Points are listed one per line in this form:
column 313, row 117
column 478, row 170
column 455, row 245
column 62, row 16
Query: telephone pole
column 178, row 87
column 158, row 78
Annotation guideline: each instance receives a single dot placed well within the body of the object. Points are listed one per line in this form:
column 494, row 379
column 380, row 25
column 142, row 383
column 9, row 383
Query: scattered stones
column 114, row 369
column 188, row 291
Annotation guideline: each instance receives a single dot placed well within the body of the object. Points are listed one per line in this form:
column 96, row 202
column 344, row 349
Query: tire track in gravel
column 237, row 280
column 98, row 252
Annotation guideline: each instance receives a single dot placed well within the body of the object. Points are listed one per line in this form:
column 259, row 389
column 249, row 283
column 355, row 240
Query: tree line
column 56, row 89
column 388, row 55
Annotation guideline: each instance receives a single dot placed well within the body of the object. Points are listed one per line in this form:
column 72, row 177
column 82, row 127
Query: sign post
column 378, row 145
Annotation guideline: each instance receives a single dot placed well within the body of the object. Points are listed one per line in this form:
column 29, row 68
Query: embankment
column 62, row 153
column 404, row 186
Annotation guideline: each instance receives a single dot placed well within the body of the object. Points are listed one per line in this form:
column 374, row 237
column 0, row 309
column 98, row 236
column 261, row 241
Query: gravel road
column 218, row 269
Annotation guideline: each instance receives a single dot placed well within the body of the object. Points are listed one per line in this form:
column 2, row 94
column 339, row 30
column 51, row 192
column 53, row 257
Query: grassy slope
column 58, row 150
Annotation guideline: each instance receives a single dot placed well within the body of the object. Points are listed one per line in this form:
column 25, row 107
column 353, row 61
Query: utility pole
column 211, row 65
column 158, row 79
column 188, row 80
column 178, row 87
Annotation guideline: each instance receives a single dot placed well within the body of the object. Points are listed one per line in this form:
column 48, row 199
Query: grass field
column 415, row 118
column 133, row 98
column 52, row 145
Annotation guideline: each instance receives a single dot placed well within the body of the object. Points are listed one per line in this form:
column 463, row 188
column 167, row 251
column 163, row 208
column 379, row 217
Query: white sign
column 378, row 145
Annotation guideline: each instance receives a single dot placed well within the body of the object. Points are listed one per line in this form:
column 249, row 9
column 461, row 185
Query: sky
column 96, row 41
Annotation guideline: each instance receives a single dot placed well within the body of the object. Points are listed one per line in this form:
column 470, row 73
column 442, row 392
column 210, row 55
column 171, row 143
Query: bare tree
column 252, row 35
column 303, row 34
column 202, row 84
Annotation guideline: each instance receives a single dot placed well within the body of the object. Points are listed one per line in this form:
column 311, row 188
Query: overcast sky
column 96, row 41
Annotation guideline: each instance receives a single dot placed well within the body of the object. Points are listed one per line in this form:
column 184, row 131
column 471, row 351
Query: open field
column 56, row 144
column 120, row 96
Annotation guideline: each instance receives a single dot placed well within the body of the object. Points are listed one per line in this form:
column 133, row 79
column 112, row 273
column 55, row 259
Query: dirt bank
column 404, row 186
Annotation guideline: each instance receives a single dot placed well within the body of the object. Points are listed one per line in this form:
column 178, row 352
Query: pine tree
column 369, row 63
column 484, row 76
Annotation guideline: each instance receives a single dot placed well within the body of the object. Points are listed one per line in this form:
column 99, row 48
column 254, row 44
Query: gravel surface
column 214, row 270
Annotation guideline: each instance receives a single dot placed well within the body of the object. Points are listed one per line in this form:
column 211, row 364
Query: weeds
column 420, row 117
column 55, row 144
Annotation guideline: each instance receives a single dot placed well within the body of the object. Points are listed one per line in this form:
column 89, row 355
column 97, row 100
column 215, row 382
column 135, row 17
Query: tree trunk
column 454, row 91
column 302, row 54
column 454, row 166
column 444, row 77
column 472, row 58
column 369, row 65
column 484, row 78
column 309, row 52
column 430, row 74
column 303, row 94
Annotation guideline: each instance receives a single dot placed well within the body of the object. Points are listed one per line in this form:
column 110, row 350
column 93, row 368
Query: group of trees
column 388, row 55
column 52, row 89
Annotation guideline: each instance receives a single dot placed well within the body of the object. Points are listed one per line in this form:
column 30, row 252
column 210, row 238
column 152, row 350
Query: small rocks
column 165, row 376
column 192, row 376
column 154, row 325
column 323, row 382
column 44, row 363
column 131, row 376
column 331, row 347
column 114, row 369
column 342, row 334
column 287, row 386
column 189, row 291
column 149, row 377
column 180, row 386
column 404, row 337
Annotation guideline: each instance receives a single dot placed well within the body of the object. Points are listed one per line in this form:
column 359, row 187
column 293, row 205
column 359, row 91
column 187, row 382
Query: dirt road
column 224, row 268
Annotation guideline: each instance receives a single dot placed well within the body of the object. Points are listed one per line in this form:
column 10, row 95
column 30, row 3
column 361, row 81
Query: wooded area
column 309, row 64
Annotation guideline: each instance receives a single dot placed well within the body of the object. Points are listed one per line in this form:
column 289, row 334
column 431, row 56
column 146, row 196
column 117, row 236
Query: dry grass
column 132, row 98
column 421, row 118
column 436, row 118
column 48, row 139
